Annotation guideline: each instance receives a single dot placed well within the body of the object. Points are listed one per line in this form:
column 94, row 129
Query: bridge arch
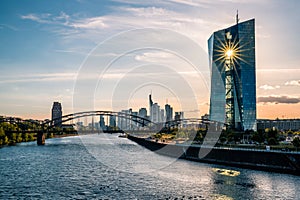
column 69, row 117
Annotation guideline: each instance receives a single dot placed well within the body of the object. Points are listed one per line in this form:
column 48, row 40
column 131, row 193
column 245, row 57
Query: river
column 108, row 167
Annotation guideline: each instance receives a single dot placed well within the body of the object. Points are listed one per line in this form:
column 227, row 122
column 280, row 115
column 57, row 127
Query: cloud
column 153, row 56
column 279, row 100
column 46, row 18
column 123, row 18
column 269, row 87
column 190, row 3
column 90, row 23
column 293, row 83
column 2, row 26
column 38, row 78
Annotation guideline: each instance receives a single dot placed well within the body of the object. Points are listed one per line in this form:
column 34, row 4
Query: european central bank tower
column 233, row 82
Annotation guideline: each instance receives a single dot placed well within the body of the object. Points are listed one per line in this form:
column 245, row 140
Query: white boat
column 123, row 135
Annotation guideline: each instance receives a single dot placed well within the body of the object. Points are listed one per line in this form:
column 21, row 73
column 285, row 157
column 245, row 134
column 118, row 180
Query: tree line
column 271, row 137
column 24, row 131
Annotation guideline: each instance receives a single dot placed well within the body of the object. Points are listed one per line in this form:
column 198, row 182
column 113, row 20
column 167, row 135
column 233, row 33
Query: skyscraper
column 102, row 122
column 233, row 81
column 150, row 106
column 155, row 117
column 169, row 112
column 112, row 121
column 143, row 112
column 56, row 114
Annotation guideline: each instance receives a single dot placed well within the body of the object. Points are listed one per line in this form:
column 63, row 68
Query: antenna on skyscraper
column 237, row 16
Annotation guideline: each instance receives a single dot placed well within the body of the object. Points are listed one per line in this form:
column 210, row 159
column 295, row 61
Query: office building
column 102, row 122
column 150, row 106
column 56, row 114
column 155, row 116
column 169, row 112
column 143, row 112
column 279, row 124
column 233, row 81
column 112, row 121
column 179, row 116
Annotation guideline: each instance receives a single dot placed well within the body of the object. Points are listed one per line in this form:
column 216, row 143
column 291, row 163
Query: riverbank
column 282, row 162
column 65, row 135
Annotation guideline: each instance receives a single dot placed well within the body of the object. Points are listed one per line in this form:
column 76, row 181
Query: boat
column 123, row 135
column 226, row 172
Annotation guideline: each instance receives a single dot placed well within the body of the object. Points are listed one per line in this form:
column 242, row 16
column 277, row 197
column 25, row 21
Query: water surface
column 108, row 167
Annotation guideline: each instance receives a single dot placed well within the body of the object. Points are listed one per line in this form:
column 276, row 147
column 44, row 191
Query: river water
column 108, row 167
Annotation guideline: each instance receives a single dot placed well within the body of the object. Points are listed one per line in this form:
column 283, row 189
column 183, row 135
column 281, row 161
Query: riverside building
column 233, row 80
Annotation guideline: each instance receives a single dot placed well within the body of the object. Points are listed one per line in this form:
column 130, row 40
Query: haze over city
column 43, row 47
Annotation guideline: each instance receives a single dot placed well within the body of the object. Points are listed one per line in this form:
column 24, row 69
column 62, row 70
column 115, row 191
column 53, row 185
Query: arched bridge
column 128, row 116
column 135, row 120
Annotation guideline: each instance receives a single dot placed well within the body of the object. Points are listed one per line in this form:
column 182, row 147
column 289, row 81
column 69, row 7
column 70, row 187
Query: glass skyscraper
column 233, row 81
column 57, row 113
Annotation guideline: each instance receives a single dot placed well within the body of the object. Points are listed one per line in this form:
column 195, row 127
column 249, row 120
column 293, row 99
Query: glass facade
column 233, row 81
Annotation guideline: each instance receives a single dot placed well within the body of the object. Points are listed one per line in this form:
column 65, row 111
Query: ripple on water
column 66, row 169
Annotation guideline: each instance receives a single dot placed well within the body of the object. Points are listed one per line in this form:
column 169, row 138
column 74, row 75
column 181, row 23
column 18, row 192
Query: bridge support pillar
column 40, row 138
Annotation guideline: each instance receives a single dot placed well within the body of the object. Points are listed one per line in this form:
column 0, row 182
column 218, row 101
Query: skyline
column 44, row 47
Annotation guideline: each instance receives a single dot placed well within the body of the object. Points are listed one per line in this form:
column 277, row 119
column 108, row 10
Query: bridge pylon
column 40, row 138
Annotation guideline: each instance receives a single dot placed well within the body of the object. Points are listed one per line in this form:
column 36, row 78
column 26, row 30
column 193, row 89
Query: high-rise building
column 162, row 116
column 102, row 122
column 133, row 121
column 124, row 122
column 150, row 106
column 169, row 112
column 143, row 112
column 179, row 116
column 56, row 114
column 233, row 81
column 155, row 117
column 112, row 121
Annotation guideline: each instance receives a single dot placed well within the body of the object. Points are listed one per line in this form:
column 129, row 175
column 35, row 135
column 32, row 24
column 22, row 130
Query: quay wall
column 282, row 162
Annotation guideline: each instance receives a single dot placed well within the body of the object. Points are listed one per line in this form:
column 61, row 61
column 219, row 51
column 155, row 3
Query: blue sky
column 44, row 46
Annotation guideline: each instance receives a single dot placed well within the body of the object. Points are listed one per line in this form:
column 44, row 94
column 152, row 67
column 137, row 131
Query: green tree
column 296, row 142
column 222, row 139
column 3, row 137
column 19, row 138
column 25, row 137
column 289, row 133
column 12, row 138
column 49, row 135
column 272, row 141
column 30, row 137
column 257, row 137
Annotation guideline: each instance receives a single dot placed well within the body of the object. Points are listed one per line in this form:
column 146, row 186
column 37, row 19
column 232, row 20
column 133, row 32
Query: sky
column 110, row 55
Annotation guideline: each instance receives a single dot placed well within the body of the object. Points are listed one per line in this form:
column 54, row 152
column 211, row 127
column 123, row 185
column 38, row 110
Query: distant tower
column 169, row 112
column 102, row 122
column 155, row 117
column 143, row 112
column 150, row 105
column 56, row 113
column 112, row 121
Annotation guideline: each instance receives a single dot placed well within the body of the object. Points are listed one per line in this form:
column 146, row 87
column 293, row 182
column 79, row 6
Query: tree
column 13, row 138
column 3, row 137
column 272, row 141
column 222, row 139
column 25, row 137
column 296, row 142
column 258, row 137
column 19, row 138
column 30, row 137
column 290, row 133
